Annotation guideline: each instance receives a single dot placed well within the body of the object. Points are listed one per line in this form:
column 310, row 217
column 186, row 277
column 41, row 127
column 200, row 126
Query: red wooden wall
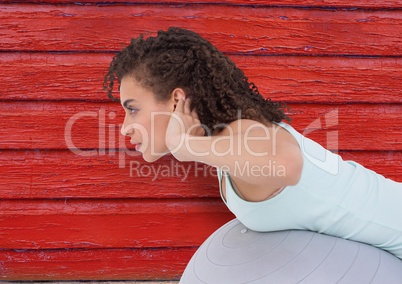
column 82, row 213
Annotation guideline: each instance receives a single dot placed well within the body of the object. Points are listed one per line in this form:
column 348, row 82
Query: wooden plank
column 387, row 163
column 387, row 4
column 264, row 30
column 326, row 80
column 94, row 264
column 47, row 76
column 124, row 223
column 86, row 126
column 62, row 174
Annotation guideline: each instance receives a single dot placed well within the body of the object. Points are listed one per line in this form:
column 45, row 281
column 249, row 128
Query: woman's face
column 145, row 119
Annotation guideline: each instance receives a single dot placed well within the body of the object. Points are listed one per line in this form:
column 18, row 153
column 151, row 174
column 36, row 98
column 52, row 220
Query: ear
column 178, row 94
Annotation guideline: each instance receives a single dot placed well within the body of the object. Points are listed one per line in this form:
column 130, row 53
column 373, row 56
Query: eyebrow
column 126, row 102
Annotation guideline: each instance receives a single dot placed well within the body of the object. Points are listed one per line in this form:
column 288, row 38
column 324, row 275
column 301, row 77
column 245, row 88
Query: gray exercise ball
column 235, row 254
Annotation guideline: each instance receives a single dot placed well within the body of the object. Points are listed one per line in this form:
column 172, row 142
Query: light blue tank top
column 334, row 197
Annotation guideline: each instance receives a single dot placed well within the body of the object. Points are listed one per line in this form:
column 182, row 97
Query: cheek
column 161, row 121
column 160, row 127
column 159, row 130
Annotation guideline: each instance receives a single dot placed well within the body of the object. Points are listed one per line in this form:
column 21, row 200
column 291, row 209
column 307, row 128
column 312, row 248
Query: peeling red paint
column 91, row 217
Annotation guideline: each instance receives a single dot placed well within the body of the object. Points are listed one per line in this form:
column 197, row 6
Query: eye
column 132, row 110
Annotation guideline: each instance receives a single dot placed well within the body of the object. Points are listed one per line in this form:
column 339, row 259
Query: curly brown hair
column 218, row 90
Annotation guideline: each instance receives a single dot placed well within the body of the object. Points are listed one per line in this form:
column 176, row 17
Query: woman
column 183, row 96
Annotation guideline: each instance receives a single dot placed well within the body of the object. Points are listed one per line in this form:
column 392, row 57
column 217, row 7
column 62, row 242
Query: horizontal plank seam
column 198, row 3
column 43, row 150
column 107, row 101
column 329, row 55
column 150, row 200
column 107, row 150
column 2, row 250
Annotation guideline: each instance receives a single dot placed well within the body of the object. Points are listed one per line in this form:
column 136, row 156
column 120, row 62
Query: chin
column 151, row 158
column 153, row 155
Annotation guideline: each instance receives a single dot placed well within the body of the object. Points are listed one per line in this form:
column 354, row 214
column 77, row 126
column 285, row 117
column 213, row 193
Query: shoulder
column 271, row 138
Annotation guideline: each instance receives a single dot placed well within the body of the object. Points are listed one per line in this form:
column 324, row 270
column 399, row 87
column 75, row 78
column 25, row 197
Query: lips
column 137, row 145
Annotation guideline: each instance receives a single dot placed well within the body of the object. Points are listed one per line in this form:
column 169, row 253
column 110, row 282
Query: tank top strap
column 219, row 173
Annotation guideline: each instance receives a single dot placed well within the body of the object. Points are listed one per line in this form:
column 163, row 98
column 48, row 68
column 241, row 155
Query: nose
column 126, row 129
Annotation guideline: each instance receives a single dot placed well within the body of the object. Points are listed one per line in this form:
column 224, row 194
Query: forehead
column 128, row 84
column 132, row 89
